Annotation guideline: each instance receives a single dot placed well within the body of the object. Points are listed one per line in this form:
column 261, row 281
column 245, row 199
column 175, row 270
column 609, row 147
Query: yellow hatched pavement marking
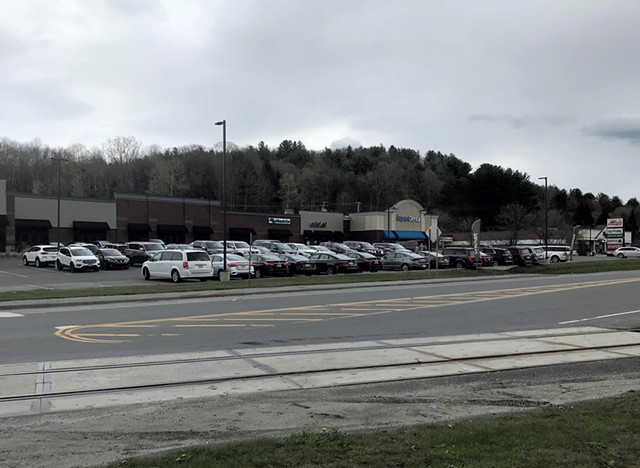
column 80, row 333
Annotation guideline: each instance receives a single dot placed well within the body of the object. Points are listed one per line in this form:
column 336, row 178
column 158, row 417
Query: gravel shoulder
column 97, row 437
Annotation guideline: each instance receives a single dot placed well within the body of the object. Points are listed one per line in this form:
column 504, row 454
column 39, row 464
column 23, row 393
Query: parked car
column 337, row 247
column 262, row 249
column 140, row 252
column 435, row 257
column 240, row 248
column 537, row 255
column 92, row 247
column 627, row 252
column 302, row 249
column 179, row 247
column 76, row 258
column 361, row 246
column 211, row 247
column 521, row 255
column 404, row 261
column 461, row 257
column 331, row 262
column 40, row 255
column 112, row 258
column 500, row 255
column 274, row 246
column 158, row 241
column 177, row 265
column 102, row 244
column 557, row 253
column 237, row 265
column 389, row 246
column 269, row 265
column 299, row 264
column 366, row 261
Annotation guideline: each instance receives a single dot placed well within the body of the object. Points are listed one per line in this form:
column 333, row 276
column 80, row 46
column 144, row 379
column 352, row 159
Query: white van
column 177, row 265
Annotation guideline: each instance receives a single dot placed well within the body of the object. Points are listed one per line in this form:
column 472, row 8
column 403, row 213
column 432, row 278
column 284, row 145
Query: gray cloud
column 452, row 76
column 619, row 129
column 522, row 121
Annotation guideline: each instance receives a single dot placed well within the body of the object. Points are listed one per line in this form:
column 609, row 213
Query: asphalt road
column 310, row 317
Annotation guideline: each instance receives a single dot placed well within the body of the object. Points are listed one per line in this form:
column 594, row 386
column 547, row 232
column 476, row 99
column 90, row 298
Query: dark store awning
column 91, row 226
column 203, row 229
column 33, row 223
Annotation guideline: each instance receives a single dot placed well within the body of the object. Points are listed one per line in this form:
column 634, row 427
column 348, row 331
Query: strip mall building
column 27, row 219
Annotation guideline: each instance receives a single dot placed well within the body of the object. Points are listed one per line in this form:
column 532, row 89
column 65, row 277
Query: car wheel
column 175, row 276
column 25, row 262
column 146, row 274
column 496, row 263
column 72, row 267
column 258, row 274
column 38, row 264
column 58, row 265
column 330, row 270
column 459, row 265
column 620, row 255
column 126, row 267
column 202, row 280
column 404, row 267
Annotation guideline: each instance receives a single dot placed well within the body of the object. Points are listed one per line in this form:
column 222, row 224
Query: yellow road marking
column 374, row 307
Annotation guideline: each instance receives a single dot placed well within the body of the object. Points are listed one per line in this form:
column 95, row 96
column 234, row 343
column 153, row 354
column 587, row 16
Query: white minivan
column 177, row 265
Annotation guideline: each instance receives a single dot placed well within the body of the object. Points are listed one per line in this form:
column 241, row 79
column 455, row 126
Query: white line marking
column 600, row 317
column 9, row 315
column 64, row 327
column 13, row 274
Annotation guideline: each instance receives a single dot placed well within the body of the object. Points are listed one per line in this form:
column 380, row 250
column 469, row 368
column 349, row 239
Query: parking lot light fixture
column 59, row 160
column 546, row 216
column 224, row 193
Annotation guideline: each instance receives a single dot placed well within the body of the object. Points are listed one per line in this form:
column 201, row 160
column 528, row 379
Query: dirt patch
column 95, row 437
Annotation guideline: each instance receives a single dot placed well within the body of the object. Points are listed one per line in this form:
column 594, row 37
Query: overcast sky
column 550, row 88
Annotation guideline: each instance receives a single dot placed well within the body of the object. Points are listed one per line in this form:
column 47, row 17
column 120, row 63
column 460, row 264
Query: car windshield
column 213, row 245
column 50, row 249
column 343, row 257
column 79, row 252
column 366, row 245
column 153, row 247
column 197, row 256
column 235, row 258
column 111, row 253
column 242, row 245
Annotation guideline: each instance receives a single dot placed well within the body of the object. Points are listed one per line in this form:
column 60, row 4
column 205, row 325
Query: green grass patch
column 567, row 268
column 154, row 286
column 604, row 433
column 165, row 286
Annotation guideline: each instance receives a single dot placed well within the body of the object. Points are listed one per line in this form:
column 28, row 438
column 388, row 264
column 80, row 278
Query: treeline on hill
column 263, row 179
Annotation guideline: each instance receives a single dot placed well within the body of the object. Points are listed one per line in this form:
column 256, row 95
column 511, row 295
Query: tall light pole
column 224, row 193
column 546, row 216
column 59, row 159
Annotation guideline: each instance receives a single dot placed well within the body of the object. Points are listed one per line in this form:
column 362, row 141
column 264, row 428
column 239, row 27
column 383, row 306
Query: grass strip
column 603, row 433
column 167, row 287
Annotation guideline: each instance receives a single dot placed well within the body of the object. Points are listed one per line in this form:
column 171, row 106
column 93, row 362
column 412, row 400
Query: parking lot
column 16, row 277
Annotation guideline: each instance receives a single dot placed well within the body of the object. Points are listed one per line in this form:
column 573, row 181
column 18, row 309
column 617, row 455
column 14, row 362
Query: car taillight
column 470, row 258
column 185, row 265
column 285, row 263
column 232, row 264
column 268, row 263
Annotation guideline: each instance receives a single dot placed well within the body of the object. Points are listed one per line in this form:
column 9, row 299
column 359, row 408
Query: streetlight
column 389, row 211
column 59, row 159
column 224, row 194
column 546, row 216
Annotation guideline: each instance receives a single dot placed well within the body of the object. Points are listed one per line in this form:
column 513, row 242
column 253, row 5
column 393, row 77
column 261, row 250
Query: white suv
column 77, row 258
column 40, row 255
column 557, row 253
column 177, row 265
